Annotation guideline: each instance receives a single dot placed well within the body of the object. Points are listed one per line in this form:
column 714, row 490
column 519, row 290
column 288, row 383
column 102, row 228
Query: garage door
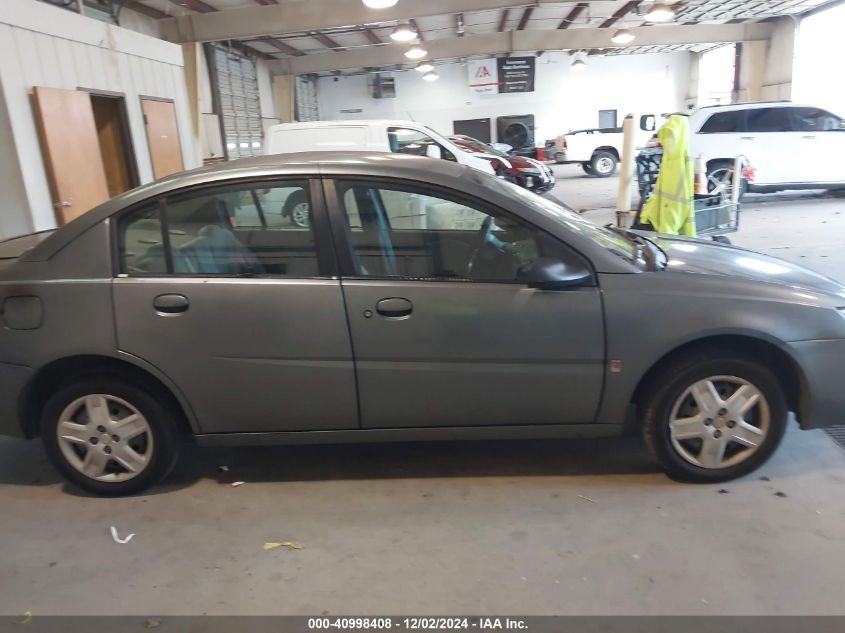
column 237, row 86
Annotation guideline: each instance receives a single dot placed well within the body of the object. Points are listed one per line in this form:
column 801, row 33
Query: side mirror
column 433, row 151
column 648, row 123
column 553, row 274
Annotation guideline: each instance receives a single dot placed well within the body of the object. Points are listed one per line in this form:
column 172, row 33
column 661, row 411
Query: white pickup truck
column 597, row 150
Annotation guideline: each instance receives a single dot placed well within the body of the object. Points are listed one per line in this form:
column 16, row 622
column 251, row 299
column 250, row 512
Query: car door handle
column 171, row 304
column 747, row 138
column 810, row 136
column 394, row 307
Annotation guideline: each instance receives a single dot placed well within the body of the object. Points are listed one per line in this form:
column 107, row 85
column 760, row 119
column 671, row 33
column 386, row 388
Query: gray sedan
column 423, row 300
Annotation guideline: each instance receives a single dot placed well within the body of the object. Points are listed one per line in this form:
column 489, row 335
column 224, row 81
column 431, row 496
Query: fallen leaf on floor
column 586, row 499
column 26, row 618
column 780, row 494
column 288, row 544
column 724, row 491
column 117, row 539
column 152, row 623
column 235, row 484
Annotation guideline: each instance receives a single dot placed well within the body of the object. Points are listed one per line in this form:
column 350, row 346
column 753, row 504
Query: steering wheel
column 481, row 238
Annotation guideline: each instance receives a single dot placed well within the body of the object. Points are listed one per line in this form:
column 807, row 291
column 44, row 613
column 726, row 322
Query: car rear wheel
column 298, row 210
column 109, row 436
column 588, row 169
column 714, row 416
column 720, row 179
column 603, row 164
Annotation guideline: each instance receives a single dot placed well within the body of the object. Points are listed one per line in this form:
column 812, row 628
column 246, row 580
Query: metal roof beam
column 573, row 15
column 620, row 13
column 304, row 16
column 528, row 40
column 526, row 15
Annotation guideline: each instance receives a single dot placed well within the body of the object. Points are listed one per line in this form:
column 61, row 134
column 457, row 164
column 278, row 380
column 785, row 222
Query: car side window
column 255, row 229
column 815, row 120
column 409, row 233
column 769, row 120
column 407, row 141
column 723, row 123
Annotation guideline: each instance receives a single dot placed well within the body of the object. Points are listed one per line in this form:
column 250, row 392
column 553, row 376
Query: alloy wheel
column 719, row 422
column 105, row 438
column 720, row 180
column 604, row 165
column 301, row 215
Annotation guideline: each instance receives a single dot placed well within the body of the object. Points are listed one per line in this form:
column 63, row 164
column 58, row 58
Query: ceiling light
column 403, row 33
column 660, row 12
column 380, row 4
column 424, row 67
column 578, row 65
column 416, row 52
column 431, row 76
column 622, row 36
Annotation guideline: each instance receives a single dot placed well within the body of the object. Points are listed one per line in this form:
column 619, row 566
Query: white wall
column 42, row 45
column 563, row 99
column 815, row 58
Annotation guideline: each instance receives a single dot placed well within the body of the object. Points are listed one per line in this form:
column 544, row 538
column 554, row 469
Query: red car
column 525, row 172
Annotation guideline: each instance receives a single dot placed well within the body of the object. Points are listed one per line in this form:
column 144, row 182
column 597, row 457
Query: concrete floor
column 576, row 527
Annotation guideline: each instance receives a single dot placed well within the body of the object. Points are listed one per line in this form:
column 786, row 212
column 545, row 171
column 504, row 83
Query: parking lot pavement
column 577, row 527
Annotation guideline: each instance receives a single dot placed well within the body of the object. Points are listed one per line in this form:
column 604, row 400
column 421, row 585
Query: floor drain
column 838, row 435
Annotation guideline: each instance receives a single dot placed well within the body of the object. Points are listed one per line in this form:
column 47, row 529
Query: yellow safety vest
column 670, row 209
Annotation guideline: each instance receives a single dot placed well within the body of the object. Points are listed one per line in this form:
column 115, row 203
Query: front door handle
column 394, row 307
column 171, row 303
column 747, row 138
column 810, row 136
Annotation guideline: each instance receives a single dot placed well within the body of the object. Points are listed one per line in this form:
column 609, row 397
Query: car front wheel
column 603, row 164
column 109, row 436
column 713, row 416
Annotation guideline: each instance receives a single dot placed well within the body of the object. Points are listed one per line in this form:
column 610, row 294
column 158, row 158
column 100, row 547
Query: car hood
column 712, row 258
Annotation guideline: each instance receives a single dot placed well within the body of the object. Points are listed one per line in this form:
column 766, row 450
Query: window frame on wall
column 344, row 245
column 324, row 252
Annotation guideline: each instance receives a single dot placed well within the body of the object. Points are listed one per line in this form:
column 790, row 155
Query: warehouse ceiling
column 542, row 15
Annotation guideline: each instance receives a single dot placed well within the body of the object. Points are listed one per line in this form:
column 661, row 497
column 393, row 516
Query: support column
column 192, row 53
column 284, row 89
column 766, row 66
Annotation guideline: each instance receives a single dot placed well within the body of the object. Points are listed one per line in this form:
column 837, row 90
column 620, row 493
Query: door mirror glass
column 548, row 273
column 433, row 151
column 648, row 122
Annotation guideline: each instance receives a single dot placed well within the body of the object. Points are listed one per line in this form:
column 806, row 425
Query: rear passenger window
column 243, row 230
column 769, row 120
column 722, row 123
column 815, row 120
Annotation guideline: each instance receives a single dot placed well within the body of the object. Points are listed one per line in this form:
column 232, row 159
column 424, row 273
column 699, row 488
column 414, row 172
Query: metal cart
column 716, row 214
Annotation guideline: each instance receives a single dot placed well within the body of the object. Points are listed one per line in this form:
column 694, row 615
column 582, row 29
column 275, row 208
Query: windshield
column 613, row 242
column 17, row 246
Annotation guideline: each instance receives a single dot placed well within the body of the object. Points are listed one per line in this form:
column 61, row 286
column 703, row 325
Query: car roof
column 754, row 105
column 307, row 164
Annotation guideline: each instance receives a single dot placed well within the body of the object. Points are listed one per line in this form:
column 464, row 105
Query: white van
column 403, row 137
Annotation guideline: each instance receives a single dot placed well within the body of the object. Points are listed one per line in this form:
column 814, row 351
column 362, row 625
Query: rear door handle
column 171, row 303
column 747, row 138
column 394, row 307
column 811, row 136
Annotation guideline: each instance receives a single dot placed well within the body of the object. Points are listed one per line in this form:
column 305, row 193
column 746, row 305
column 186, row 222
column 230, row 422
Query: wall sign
column 483, row 76
column 516, row 74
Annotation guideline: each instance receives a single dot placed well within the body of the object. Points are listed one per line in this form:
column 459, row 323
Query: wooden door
column 163, row 137
column 71, row 148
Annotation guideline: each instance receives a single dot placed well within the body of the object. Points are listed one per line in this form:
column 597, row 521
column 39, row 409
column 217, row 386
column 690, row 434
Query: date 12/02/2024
column 418, row 623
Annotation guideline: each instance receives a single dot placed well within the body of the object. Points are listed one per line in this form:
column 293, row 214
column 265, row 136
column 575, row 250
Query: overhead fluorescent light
column 424, row 67
column 403, row 33
column 431, row 76
column 622, row 36
column 660, row 12
column 380, row 4
column 416, row 52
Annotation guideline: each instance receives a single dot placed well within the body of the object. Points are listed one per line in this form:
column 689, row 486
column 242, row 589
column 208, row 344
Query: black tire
column 588, row 169
column 163, row 420
column 671, row 383
column 295, row 199
column 603, row 164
